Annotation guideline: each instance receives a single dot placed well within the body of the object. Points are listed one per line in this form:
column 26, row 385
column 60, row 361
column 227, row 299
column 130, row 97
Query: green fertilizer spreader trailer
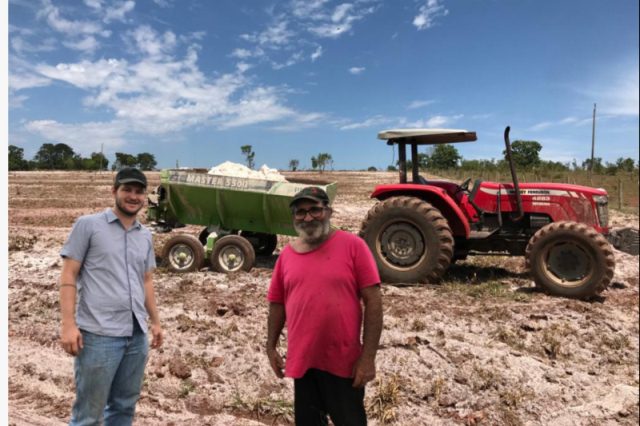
column 241, row 217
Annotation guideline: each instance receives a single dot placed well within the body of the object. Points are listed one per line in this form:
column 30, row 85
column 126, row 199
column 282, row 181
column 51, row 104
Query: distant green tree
column 99, row 161
column 321, row 161
column 372, row 169
column 124, row 160
column 293, row 165
column 56, row 157
column 249, row 155
column 478, row 165
column 146, row 161
column 392, row 168
column 16, row 158
column 597, row 165
column 526, row 154
column 444, row 156
column 625, row 164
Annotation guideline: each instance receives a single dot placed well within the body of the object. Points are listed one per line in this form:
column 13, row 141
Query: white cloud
column 441, row 120
column 378, row 120
column 295, row 21
column 419, row 104
column 356, row 70
column 308, row 9
column 118, row 11
column 150, row 43
column 20, row 78
column 427, row 13
column 87, row 137
column 163, row 3
column 241, row 54
column 69, row 27
column 87, row 44
column 316, row 54
column 94, row 4
column 573, row 121
column 21, row 45
column 274, row 37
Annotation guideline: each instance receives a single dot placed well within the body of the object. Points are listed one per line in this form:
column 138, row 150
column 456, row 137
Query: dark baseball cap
column 312, row 193
column 130, row 175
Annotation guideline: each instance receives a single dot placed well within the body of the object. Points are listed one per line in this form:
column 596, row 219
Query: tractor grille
column 602, row 206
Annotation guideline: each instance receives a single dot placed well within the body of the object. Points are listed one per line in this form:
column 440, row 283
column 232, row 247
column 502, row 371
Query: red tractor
column 420, row 227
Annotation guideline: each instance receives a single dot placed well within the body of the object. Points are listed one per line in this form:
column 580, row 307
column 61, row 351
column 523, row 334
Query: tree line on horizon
column 61, row 156
column 525, row 154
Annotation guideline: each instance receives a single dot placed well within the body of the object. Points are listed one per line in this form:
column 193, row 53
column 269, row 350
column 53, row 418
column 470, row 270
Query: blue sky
column 192, row 81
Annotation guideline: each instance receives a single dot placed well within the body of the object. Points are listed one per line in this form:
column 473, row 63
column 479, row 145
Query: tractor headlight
column 602, row 207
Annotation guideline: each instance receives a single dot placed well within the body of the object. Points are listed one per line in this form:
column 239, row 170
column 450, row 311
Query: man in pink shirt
column 316, row 289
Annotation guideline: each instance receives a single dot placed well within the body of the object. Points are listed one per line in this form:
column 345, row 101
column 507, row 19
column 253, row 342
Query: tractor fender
column 436, row 196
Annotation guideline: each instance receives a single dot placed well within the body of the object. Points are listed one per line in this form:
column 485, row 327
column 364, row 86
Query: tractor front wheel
column 232, row 253
column 410, row 240
column 570, row 259
column 183, row 253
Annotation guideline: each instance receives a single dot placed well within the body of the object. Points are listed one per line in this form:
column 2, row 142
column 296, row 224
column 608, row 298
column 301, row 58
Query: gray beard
column 313, row 232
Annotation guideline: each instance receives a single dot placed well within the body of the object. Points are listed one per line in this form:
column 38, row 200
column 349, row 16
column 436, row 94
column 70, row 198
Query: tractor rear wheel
column 570, row 259
column 183, row 253
column 232, row 253
column 410, row 240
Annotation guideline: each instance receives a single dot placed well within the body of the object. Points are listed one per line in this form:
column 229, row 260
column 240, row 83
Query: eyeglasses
column 315, row 212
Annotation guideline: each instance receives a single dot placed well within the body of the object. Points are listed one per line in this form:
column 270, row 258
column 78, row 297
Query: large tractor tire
column 410, row 240
column 183, row 253
column 570, row 259
column 231, row 254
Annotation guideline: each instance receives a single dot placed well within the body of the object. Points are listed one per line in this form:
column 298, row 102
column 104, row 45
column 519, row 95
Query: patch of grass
column 277, row 409
column 617, row 342
column 21, row 242
column 384, row 403
column 418, row 325
column 515, row 339
column 483, row 378
column 553, row 338
column 514, row 396
column 438, row 386
column 485, row 290
column 186, row 387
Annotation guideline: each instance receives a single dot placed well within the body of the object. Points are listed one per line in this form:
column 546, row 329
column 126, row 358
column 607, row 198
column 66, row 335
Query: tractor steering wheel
column 464, row 186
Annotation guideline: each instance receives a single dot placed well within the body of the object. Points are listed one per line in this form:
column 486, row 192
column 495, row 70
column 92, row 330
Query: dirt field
column 481, row 348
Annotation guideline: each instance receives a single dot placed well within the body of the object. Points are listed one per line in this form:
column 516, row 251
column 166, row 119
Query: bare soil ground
column 481, row 348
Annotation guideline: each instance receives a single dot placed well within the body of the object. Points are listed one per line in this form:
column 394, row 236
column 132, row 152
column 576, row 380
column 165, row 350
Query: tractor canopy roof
column 426, row 136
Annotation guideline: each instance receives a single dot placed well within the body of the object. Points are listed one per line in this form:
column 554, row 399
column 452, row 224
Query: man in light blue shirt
column 108, row 263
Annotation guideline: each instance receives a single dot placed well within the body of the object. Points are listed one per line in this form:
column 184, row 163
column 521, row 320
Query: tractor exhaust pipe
column 514, row 177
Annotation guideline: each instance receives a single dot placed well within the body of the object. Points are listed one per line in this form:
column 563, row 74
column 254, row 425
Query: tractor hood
column 554, row 188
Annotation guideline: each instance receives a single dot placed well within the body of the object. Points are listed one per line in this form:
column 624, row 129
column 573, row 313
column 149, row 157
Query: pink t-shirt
column 320, row 291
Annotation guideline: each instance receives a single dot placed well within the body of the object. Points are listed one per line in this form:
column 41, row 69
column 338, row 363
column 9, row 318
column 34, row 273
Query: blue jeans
column 108, row 374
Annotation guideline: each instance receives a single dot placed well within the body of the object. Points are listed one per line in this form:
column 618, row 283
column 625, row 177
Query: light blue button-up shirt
column 111, row 279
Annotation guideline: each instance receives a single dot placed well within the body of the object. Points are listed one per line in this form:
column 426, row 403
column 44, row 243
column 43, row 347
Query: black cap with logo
column 312, row 193
column 130, row 175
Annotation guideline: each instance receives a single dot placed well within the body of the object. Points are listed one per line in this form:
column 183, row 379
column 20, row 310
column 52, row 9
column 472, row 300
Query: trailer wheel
column 570, row 259
column 183, row 253
column 410, row 240
column 232, row 253
column 263, row 244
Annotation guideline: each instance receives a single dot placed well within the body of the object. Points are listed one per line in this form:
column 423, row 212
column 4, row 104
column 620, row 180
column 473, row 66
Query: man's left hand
column 156, row 334
column 364, row 371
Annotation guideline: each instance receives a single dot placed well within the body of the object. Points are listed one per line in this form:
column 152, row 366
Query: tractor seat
column 422, row 180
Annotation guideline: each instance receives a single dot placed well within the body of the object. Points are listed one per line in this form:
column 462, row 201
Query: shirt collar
column 111, row 217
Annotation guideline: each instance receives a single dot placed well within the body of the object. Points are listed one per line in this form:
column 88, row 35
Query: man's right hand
column 71, row 339
column 276, row 361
